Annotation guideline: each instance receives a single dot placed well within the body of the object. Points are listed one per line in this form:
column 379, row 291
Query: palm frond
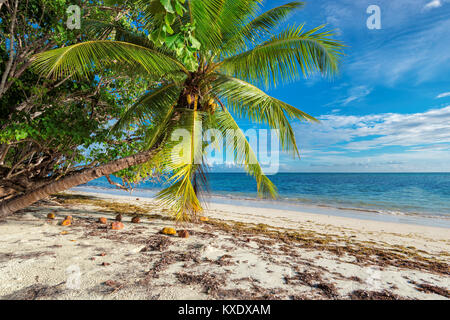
column 103, row 30
column 287, row 56
column 80, row 59
column 152, row 110
column 249, row 101
column 243, row 153
column 98, row 29
column 182, row 161
column 234, row 16
column 259, row 27
column 205, row 15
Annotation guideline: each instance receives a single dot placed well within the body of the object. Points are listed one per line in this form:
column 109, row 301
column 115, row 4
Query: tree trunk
column 21, row 202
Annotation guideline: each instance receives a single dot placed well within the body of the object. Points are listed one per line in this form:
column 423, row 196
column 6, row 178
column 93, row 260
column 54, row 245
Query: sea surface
column 422, row 198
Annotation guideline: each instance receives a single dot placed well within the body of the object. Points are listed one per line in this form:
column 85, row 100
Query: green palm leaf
column 260, row 27
column 82, row 58
column 234, row 16
column 205, row 14
column 243, row 153
column 153, row 110
column 102, row 30
column 249, row 101
column 285, row 57
column 183, row 167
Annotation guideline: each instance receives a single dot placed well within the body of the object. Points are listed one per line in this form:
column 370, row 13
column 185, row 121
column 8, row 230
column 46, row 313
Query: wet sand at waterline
column 242, row 252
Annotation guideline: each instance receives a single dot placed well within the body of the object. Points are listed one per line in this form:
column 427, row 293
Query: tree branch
column 11, row 50
column 118, row 185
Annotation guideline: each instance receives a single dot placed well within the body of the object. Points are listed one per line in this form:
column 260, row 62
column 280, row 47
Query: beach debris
column 69, row 218
column 427, row 288
column 117, row 225
column 204, row 219
column 102, row 220
column 119, row 217
column 38, row 291
column 373, row 295
column 102, row 254
column 66, row 222
column 105, row 264
column 51, row 216
column 111, row 283
column 183, row 234
column 225, row 260
column 169, row 231
column 135, row 220
column 114, row 285
column 137, row 199
column 210, row 282
column 157, row 243
column 63, row 233
column 328, row 290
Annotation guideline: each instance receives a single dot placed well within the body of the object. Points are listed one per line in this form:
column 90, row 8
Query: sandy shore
column 240, row 253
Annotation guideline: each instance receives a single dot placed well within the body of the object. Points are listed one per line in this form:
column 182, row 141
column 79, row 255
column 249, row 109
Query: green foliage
column 166, row 30
column 50, row 127
column 200, row 55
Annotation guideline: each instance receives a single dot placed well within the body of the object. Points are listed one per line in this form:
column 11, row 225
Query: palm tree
column 235, row 49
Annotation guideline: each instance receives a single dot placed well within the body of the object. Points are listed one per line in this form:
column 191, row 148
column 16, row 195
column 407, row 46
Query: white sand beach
column 240, row 253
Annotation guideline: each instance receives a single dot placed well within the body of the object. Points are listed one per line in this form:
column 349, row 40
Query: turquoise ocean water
column 402, row 197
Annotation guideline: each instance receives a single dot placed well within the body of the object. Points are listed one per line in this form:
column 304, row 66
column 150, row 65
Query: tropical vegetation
column 203, row 63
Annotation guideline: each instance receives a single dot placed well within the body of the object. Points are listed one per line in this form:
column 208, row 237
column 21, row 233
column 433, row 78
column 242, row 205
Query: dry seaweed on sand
column 210, row 282
column 36, row 292
column 114, row 286
column 364, row 253
column 328, row 290
column 374, row 295
column 107, row 206
column 157, row 243
column 428, row 288
column 25, row 256
column 283, row 247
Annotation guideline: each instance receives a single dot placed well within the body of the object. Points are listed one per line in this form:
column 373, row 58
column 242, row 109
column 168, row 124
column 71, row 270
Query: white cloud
column 375, row 143
column 357, row 93
column 433, row 4
column 353, row 94
column 390, row 129
column 443, row 95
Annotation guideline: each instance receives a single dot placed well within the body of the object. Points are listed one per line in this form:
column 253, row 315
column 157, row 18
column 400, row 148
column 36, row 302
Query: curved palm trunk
column 21, row 202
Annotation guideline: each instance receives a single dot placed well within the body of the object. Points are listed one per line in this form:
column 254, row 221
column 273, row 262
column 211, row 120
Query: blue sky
column 389, row 108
